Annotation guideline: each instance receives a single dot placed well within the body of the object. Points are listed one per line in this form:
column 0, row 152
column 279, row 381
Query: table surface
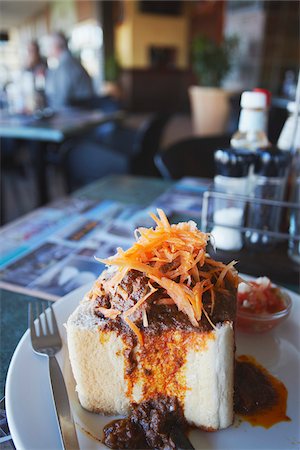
column 143, row 191
column 56, row 128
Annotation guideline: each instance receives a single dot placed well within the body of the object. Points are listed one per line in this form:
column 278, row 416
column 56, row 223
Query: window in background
column 86, row 42
column 246, row 20
column 268, row 54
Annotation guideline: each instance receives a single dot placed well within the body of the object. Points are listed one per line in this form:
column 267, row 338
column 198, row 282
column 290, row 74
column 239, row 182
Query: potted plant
column 209, row 103
column 111, row 84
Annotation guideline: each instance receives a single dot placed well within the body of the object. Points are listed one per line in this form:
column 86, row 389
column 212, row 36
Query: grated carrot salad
column 172, row 256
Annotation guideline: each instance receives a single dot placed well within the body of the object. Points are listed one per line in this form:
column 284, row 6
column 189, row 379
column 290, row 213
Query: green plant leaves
column 212, row 61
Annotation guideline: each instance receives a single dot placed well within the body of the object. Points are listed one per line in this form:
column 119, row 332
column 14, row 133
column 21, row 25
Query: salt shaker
column 232, row 168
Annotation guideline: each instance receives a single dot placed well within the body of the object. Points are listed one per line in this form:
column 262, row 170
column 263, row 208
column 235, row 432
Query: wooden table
column 56, row 128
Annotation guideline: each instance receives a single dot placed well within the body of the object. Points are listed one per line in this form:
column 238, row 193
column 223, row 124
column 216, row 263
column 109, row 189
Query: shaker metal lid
column 271, row 162
column 231, row 162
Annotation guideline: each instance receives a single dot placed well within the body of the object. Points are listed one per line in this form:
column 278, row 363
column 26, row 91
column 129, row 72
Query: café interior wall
column 139, row 31
column 123, row 43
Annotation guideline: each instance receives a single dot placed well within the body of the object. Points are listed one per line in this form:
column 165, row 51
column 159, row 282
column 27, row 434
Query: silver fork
column 46, row 341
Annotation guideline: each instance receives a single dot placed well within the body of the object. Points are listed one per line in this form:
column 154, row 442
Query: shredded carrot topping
column 172, row 256
column 110, row 313
column 135, row 329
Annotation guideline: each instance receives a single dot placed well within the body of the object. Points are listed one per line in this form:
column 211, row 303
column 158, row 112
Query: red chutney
column 259, row 397
column 260, row 298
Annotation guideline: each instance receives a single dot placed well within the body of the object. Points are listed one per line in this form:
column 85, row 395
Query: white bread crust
column 98, row 366
column 209, row 377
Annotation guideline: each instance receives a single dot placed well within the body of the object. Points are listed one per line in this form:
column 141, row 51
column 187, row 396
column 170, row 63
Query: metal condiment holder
column 206, row 224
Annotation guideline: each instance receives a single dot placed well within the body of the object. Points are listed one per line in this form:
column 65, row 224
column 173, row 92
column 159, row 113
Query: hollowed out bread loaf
column 112, row 370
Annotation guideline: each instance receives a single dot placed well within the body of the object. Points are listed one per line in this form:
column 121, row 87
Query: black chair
column 139, row 145
column 85, row 161
column 277, row 118
column 147, row 144
column 234, row 113
column 190, row 157
column 107, row 104
column 15, row 166
column 129, row 151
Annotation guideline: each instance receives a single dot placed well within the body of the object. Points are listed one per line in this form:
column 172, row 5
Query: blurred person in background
column 23, row 92
column 68, row 81
column 36, row 66
column 34, row 62
column 4, row 80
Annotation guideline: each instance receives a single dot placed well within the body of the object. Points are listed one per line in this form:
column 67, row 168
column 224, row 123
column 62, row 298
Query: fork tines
column 46, row 323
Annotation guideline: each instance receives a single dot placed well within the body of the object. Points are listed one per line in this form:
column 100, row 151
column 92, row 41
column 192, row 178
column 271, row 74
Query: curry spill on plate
column 154, row 340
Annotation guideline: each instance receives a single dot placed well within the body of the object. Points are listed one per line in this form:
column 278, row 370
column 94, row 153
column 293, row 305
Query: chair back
column 147, row 143
column 85, row 161
column 190, row 157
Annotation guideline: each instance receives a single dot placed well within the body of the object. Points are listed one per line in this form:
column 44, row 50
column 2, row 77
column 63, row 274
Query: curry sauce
column 259, row 397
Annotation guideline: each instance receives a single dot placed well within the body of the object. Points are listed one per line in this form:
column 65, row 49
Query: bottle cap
column 257, row 100
column 231, row 162
column 267, row 94
column 271, row 162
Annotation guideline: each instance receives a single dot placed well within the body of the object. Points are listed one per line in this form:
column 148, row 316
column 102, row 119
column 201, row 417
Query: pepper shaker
column 269, row 182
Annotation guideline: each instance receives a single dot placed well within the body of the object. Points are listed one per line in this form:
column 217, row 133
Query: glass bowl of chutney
column 261, row 306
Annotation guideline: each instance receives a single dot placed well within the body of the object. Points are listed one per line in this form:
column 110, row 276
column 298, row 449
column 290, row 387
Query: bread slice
column 196, row 366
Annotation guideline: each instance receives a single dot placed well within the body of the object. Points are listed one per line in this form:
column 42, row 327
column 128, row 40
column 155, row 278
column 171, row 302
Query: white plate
column 30, row 411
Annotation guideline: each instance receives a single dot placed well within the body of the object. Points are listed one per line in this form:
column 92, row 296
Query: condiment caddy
column 247, row 200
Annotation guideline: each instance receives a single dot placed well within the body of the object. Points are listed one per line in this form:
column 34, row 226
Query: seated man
column 68, row 81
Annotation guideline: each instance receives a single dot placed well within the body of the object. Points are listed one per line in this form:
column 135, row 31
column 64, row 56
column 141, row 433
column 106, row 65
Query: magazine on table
column 184, row 197
column 51, row 252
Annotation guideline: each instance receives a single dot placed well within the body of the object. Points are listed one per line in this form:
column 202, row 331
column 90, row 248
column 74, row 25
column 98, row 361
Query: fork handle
column 62, row 406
